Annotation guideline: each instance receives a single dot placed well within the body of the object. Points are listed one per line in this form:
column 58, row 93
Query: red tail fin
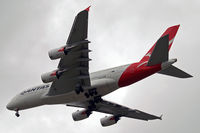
column 172, row 33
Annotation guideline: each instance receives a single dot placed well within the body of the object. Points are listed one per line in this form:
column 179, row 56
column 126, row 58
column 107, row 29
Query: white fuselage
column 104, row 81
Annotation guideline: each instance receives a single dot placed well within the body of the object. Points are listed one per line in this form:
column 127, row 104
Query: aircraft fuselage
column 105, row 82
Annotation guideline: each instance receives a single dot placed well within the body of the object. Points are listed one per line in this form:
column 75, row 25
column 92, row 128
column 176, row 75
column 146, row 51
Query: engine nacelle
column 52, row 76
column 58, row 52
column 109, row 120
column 80, row 115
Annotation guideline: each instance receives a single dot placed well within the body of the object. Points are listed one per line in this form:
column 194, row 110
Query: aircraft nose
column 10, row 106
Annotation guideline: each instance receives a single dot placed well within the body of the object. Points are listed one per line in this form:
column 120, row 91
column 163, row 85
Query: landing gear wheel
column 77, row 91
column 90, row 93
column 95, row 93
column 97, row 99
column 87, row 95
column 17, row 114
column 81, row 89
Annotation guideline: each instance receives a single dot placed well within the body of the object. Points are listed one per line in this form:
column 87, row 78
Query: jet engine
column 58, row 52
column 64, row 50
column 52, row 76
column 109, row 120
column 80, row 115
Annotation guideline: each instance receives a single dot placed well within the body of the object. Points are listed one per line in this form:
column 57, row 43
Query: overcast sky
column 121, row 32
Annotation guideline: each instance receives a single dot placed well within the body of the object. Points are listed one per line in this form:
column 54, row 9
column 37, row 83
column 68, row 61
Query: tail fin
column 171, row 33
column 160, row 51
column 158, row 54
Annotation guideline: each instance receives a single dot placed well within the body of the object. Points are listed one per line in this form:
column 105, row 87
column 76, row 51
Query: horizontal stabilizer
column 175, row 72
column 160, row 51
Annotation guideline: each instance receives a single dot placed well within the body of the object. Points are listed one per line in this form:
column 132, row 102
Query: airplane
column 71, row 83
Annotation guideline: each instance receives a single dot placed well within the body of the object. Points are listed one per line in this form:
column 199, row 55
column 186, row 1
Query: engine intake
column 80, row 115
column 52, row 76
column 109, row 120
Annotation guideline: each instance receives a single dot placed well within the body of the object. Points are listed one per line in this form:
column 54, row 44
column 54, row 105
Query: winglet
column 87, row 9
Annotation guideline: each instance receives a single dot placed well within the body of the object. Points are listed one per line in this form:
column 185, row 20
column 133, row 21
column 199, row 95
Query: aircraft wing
column 75, row 64
column 116, row 110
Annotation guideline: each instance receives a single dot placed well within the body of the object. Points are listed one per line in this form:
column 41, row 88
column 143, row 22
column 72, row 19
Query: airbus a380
column 71, row 83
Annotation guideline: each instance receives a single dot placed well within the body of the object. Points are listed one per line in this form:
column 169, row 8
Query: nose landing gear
column 17, row 113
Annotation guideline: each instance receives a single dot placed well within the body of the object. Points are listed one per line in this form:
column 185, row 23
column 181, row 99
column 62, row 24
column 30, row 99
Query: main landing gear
column 17, row 113
column 79, row 89
column 93, row 102
column 98, row 99
column 91, row 92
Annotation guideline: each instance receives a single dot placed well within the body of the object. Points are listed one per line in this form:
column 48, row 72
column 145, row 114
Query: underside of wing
column 116, row 110
column 73, row 68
